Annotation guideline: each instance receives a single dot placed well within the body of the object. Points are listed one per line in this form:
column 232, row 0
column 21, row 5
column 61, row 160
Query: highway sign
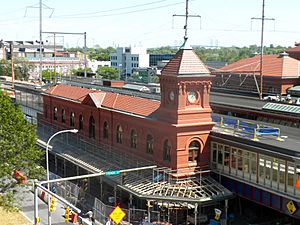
column 112, row 173
column 117, row 215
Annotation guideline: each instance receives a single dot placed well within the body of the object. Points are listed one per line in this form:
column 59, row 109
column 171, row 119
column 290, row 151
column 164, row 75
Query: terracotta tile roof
column 96, row 98
column 130, row 104
column 294, row 49
column 294, row 52
column 273, row 65
column 185, row 62
column 70, row 92
column 124, row 103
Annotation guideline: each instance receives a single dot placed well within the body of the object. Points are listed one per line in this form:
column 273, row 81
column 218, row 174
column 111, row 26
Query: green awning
column 282, row 107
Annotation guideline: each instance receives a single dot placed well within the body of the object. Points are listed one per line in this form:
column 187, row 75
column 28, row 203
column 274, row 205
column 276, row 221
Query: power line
column 124, row 13
column 111, row 10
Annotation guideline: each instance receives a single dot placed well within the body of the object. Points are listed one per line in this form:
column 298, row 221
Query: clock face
column 192, row 96
column 171, row 95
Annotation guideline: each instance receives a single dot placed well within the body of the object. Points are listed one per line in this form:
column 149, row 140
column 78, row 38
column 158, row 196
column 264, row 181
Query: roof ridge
column 113, row 105
column 52, row 90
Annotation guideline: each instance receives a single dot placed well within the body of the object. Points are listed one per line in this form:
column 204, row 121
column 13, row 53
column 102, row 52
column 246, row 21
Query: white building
column 128, row 58
column 93, row 64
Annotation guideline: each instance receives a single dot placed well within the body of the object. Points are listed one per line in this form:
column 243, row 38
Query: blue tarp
column 267, row 131
column 228, row 121
column 247, row 127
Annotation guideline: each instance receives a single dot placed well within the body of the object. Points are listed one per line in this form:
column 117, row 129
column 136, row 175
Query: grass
column 12, row 218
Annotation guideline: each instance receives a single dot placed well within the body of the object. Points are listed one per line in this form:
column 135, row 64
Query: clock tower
column 185, row 86
column 185, row 111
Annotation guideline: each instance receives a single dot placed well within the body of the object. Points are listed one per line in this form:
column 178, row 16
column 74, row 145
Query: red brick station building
column 175, row 134
column 172, row 133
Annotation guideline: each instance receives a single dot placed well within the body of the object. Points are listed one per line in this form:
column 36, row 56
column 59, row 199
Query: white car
column 271, row 98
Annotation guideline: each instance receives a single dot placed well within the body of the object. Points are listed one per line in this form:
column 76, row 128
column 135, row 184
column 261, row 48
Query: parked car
column 272, row 98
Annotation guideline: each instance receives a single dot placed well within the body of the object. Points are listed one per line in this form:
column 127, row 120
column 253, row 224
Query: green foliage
column 108, row 72
column 162, row 50
column 18, row 150
column 98, row 53
column 49, row 74
column 80, row 71
column 21, row 68
column 223, row 54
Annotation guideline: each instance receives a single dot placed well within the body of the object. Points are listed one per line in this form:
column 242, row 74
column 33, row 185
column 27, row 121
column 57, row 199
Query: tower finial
column 185, row 38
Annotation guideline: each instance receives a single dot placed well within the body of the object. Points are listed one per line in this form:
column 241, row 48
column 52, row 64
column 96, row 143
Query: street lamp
column 47, row 165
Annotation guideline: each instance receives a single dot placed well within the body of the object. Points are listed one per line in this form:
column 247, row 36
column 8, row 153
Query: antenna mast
column 186, row 21
column 186, row 15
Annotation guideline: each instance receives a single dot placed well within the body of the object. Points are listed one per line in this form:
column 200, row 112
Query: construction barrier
column 247, row 129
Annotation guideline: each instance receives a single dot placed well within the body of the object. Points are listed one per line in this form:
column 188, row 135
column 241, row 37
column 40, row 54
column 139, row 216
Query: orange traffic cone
column 297, row 185
column 74, row 217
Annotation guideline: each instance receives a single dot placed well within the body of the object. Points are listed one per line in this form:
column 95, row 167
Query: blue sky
column 149, row 23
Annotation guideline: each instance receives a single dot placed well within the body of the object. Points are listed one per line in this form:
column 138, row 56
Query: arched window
column 105, row 130
column 55, row 113
column 92, row 127
column 149, row 145
column 119, row 134
column 133, row 141
column 167, row 150
column 194, row 149
column 72, row 119
column 80, row 122
column 63, row 116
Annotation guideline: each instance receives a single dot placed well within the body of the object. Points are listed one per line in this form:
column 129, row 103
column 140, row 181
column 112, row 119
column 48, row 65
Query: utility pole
column 54, row 58
column 40, row 31
column 41, row 55
column 85, row 51
column 262, row 45
column 262, row 49
column 85, row 48
column 12, row 63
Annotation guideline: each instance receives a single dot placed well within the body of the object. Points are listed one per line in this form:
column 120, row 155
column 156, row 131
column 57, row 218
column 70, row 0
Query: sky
column 151, row 23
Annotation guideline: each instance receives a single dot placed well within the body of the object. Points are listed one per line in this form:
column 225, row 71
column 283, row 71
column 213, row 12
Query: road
column 26, row 201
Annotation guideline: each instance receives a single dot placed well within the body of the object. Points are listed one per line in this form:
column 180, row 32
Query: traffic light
column 19, row 177
column 67, row 215
column 124, row 178
column 52, row 204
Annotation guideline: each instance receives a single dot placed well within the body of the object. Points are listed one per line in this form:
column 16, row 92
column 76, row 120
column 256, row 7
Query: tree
column 108, row 72
column 18, row 150
column 80, row 71
column 21, row 68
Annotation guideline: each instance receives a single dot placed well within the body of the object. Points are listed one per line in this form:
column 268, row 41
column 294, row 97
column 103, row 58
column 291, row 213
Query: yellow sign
column 291, row 207
column 117, row 215
column 218, row 213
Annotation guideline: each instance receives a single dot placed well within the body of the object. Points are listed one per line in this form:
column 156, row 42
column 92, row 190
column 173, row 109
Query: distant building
column 155, row 59
column 53, row 56
column 295, row 51
column 95, row 64
column 129, row 58
column 280, row 72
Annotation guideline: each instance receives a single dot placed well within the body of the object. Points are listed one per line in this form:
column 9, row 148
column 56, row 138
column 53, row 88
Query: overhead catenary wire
column 111, row 10
column 121, row 13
